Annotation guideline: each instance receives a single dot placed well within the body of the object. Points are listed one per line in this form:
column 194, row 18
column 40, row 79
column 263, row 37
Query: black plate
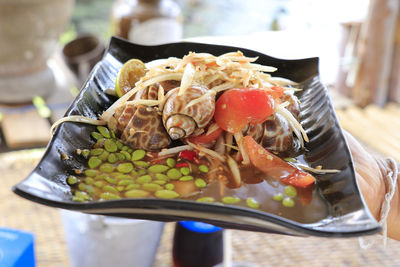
column 327, row 147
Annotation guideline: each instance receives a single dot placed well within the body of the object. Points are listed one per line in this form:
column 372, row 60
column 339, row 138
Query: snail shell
column 255, row 131
column 294, row 104
column 148, row 93
column 141, row 127
column 181, row 121
column 169, row 85
column 277, row 134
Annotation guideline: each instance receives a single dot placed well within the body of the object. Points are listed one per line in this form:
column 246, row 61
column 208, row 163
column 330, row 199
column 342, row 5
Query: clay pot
column 29, row 32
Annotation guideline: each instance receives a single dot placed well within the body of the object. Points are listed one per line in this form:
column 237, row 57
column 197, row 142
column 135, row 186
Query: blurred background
column 48, row 47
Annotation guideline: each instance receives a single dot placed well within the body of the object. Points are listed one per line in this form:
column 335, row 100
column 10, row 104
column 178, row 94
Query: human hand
column 371, row 174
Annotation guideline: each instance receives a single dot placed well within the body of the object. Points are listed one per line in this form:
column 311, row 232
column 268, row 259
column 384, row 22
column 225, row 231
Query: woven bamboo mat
column 256, row 249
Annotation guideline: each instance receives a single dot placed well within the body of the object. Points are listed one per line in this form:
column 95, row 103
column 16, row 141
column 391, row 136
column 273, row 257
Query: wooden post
column 375, row 53
column 394, row 86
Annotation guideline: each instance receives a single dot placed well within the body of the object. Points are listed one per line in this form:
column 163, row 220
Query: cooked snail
column 181, row 119
column 141, row 127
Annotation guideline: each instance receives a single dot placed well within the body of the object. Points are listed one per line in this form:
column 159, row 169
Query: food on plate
column 205, row 128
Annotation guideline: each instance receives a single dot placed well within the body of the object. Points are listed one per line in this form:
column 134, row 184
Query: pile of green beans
column 115, row 171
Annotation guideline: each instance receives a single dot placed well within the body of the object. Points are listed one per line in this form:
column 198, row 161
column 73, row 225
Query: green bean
column 109, row 188
column 120, row 156
column 160, row 176
column 78, row 199
column 82, row 186
column 144, row 179
column 71, row 180
column 186, row 178
column 252, row 203
column 200, row 183
column 132, row 186
column 158, row 168
column 112, row 158
column 90, row 172
column 104, row 131
column 82, row 195
column 111, row 180
column 109, row 196
column 99, row 184
column 141, row 172
column 85, row 153
column 104, row 155
column 122, row 176
column 138, row 154
column 171, row 162
column 166, row 194
column 96, row 151
column 136, row 193
column 174, row 174
column 230, row 200
column 124, row 148
column 119, row 144
column 96, row 135
column 185, row 170
column 126, row 155
column 106, row 167
column 136, row 173
column 170, row 186
column 110, row 145
column 278, row 197
column 125, row 182
column 125, row 167
column 288, row 202
column 94, row 162
column 102, row 176
column 160, row 182
column 120, row 188
column 130, row 150
column 89, row 180
column 141, row 163
column 205, row 199
column 203, row 168
column 151, row 187
column 290, row 191
column 89, row 189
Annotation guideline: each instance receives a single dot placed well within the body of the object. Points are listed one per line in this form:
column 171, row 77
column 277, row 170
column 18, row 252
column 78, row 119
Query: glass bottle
column 197, row 244
column 147, row 22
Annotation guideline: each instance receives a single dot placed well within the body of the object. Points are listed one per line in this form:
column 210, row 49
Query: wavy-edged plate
column 348, row 214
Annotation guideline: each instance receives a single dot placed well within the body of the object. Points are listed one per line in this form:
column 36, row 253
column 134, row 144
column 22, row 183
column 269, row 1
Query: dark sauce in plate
column 127, row 173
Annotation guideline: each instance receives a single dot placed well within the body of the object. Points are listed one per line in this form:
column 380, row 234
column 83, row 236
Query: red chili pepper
column 275, row 167
column 183, row 164
column 189, row 155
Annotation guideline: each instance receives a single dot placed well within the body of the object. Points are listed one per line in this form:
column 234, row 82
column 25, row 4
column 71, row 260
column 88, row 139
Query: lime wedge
column 128, row 75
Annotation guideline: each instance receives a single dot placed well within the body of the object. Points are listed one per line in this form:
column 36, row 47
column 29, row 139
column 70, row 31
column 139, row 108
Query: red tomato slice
column 237, row 107
column 275, row 167
column 206, row 139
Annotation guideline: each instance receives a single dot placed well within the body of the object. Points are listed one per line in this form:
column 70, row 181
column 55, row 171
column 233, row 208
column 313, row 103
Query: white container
column 101, row 241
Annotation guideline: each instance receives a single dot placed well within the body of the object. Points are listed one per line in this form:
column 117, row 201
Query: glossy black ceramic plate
column 348, row 215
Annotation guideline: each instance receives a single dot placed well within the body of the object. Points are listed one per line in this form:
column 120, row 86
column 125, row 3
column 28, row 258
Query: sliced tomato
column 275, row 167
column 206, row 138
column 237, row 107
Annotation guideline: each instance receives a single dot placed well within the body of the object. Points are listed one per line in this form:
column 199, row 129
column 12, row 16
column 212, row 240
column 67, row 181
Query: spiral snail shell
column 181, row 120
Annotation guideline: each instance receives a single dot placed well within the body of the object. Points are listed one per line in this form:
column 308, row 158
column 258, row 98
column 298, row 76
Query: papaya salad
column 204, row 128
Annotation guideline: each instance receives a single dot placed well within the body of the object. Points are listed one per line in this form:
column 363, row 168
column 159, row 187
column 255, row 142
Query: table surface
column 259, row 249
